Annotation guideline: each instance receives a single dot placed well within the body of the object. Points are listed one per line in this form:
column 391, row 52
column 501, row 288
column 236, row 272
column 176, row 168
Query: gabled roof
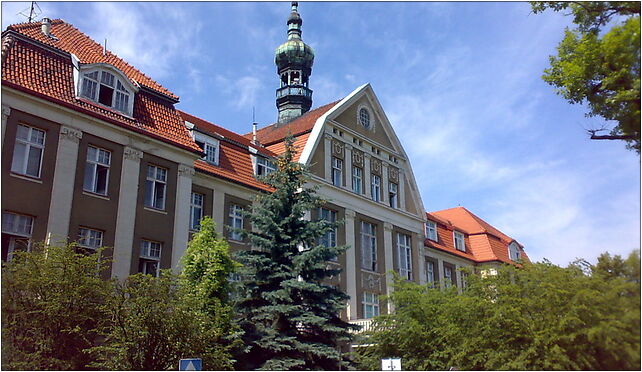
column 276, row 133
column 483, row 242
column 234, row 159
column 41, row 66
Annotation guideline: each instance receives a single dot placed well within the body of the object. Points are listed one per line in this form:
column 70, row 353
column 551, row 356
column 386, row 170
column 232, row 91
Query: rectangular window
column 16, row 233
column 430, row 272
column 392, row 194
column 459, row 241
column 464, row 279
column 150, row 255
column 155, row 187
column 370, row 305
column 196, row 210
column 122, row 98
column 513, row 250
column 448, row 276
column 264, row 166
column 27, row 153
column 106, row 92
column 209, row 146
column 329, row 239
column 357, row 179
column 89, row 85
column 97, row 170
column 368, row 246
column 375, row 187
column 235, row 221
column 90, row 238
column 337, row 169
column 404, row 256
column 431, row 230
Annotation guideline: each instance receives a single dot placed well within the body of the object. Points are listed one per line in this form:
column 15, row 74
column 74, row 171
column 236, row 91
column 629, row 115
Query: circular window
column 364, row 118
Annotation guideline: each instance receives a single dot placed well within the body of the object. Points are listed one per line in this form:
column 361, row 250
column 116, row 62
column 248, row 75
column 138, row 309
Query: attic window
column 210, row 146
column 107, row 89
column 459, row 241
column 264, row 166
column 513, row 251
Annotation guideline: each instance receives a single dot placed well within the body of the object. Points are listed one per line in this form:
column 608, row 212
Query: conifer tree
column 289, row 314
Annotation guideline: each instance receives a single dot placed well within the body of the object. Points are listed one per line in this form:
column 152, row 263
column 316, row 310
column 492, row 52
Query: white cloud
column 242, row 92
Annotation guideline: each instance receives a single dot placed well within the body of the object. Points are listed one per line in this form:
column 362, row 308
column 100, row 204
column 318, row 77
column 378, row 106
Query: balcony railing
column 365, row 325
column 296, row 90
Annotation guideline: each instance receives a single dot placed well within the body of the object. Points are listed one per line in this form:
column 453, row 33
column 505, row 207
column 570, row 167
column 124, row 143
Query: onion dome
column 294, row 53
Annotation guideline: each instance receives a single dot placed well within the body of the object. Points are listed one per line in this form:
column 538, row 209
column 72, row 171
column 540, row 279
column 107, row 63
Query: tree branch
column 610, row 137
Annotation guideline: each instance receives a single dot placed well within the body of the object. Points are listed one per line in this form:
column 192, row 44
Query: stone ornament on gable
column 357, row 158
column 132, row 154
column 337, row 149
column 371, row 281
column 70, row 134
column 393, row 174
column 185, row 170
column 375, row 165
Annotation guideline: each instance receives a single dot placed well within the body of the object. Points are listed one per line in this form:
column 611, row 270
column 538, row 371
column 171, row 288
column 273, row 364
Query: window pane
column 149, row 193
column 92, row 153
column 88, row 183
column 37, row 136
column 19, row 153
column 102, row 175
column 22, row 132
column 89, row 88
column 159, row 195
column 33, row 163
column 107, row 79
column 105, row 95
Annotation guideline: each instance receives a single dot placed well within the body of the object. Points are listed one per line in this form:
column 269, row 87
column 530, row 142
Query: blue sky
column 460, row 82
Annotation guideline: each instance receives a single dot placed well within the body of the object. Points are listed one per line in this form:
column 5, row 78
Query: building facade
column 94, row 151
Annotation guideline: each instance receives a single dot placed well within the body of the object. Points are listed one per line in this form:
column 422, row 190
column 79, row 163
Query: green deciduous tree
column 538, row 317
column 601, row 69
column 52, row 310
column 290, row 316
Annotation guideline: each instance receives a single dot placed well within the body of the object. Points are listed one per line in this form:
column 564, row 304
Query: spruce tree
column 290, row 316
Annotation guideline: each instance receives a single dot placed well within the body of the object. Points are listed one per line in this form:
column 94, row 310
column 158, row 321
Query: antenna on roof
column 254, row 127
column 105, row 47
column 34, row 11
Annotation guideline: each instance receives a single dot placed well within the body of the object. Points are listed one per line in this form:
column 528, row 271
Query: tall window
column 431, row 230
column 264, row 166
column 235, row 220
column 513, row 250
column 150, row 255
column 404, row 256
column 392, row 194
column 337, row 169
column 375, row 187
column 90, row 238
column 368, row 246
column 370, row 305
column 459, row 241
column 27, row 153
column 155, row 187
column 16, row 233
column 328, row 239
column 196, row 210
column 464, row 279
column 104, row 88
column 357, row 179
column 430, row 272
column 448, row 276
column 97, row 170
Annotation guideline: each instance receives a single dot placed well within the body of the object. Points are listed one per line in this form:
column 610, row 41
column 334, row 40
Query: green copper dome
column 294, row 53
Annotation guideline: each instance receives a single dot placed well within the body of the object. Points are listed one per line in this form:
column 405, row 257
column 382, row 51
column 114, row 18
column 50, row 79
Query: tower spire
column 294, row 60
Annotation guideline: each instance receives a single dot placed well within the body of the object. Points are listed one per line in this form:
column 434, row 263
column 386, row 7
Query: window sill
column 370, row 271
column 155, row 210
column 26, row 178
column 94, row 195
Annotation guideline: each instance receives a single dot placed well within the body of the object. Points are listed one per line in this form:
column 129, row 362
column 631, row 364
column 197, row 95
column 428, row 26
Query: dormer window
column 108, row 88
column 431, row 230
column 459, row 241
column 264, row 166
column 209, row 146
column 514, row 251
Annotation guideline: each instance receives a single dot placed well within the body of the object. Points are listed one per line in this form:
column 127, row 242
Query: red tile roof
column 483, row 242
column 234, row 163
column 272, row 134
column 47, row 74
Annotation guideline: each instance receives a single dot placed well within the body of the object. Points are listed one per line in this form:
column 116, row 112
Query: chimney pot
column 46, row 26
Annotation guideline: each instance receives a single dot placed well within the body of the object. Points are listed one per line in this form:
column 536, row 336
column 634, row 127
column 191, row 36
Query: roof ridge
column 300, row 117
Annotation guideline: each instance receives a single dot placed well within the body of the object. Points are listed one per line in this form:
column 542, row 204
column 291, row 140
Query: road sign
column 391, row 364
column 194, row 364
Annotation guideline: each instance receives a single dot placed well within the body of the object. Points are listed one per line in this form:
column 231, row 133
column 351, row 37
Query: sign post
column 193, row 364
column 391, row 364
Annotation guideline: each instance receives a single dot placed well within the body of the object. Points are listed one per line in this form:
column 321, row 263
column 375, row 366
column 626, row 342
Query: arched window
column 107, row 86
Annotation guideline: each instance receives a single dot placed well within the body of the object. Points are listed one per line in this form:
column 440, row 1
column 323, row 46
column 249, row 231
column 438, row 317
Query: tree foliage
column 538, row 317
column 601, row 69
column 52, row 309
column 289, row 314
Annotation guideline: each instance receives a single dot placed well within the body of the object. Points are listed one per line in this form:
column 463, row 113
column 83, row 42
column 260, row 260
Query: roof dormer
column 107, row 86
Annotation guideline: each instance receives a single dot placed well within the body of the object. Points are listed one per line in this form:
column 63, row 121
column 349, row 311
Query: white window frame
column 211, row 148
column 368, row 246
column 404, row 256
column 430, row 271
column 121, row 85
column 370, row 305
column 102, row 158
column 15, row 232
column 156, row 176
column 329, row 239
column 149, row 256
column 20, row 166
column 459, row 240
column 514, row 252
column 375, row 187
column 90, row 238
column 393, row 193
column 357, row 180
column 448, row 276
column 337, row 171
column 196, row 203
column 431, row 230
column 235, row 220
column 264, row 166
